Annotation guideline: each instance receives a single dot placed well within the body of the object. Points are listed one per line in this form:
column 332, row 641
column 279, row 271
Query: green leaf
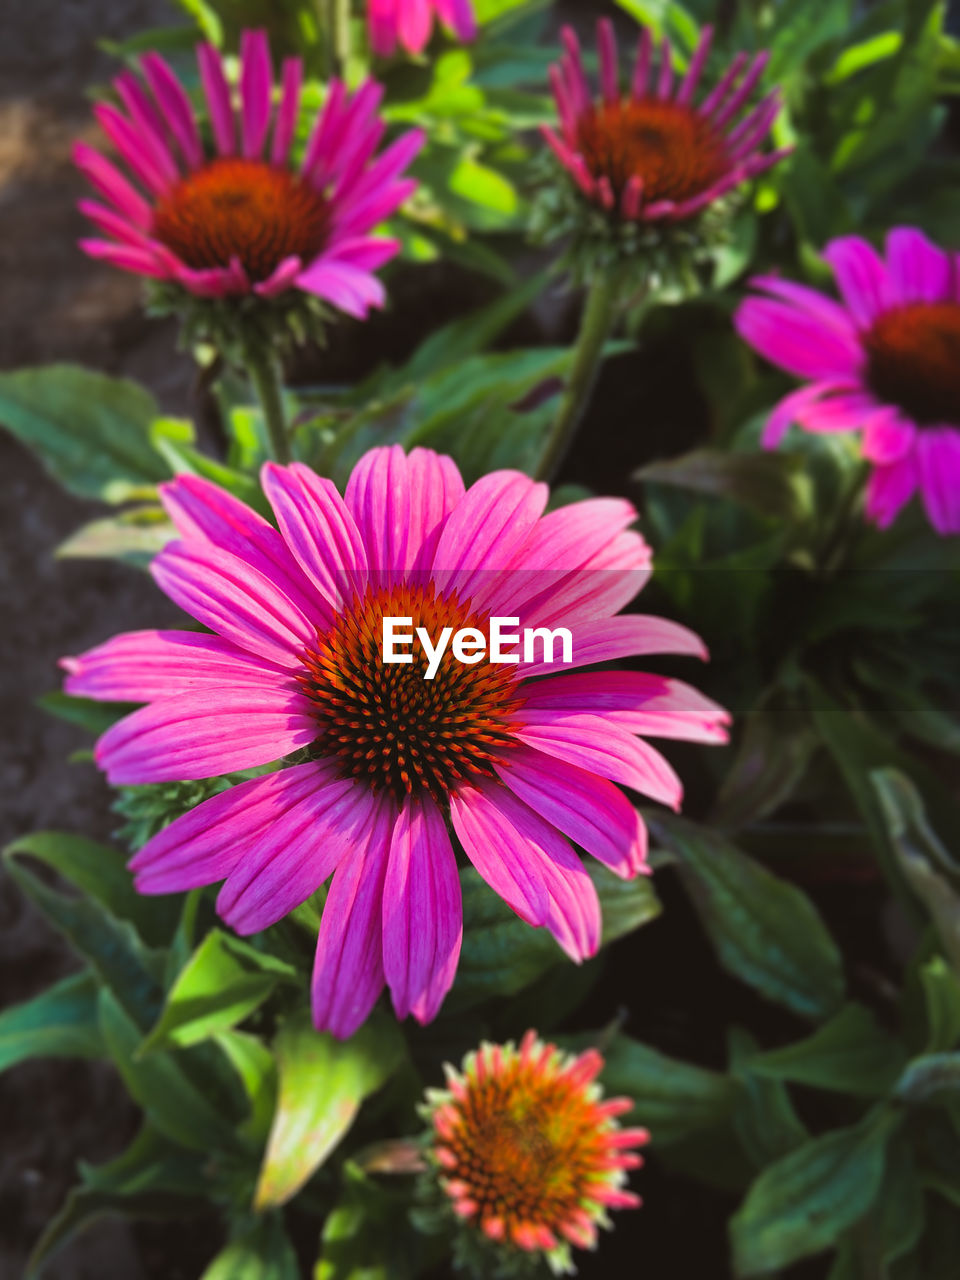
column 264, row 1252
column 849, row 1054
column 897, row 1217
column 776, row 743
column 170, row 1100
column 942, row 997
column 501, row 954
column 257, row 1070
column 134, row 537
column 99, row 871
column 151, row 1179
column 112, row 947
column 223, row 981
column 672, row 1098
column 368, row 1236
column 804, row 1202
column 763, row 1118
column 927, row 866
column 91, row 432
column 95, row 717
column 322, row 1082
column 174, row 437
column 61, row 1022
column 769, row 483
column 766, row 932
column 933, row 1078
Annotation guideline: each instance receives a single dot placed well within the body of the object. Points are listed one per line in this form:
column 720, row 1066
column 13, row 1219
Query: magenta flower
column 409, row 23
column 885, row 361
column 517, row 765
column 649, row 154
column 242, row 219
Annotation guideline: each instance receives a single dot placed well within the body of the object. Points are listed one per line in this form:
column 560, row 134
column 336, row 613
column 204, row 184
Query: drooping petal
column 529, row 864
column 887, row 438
column 590, row 810
column 203, row 733
column 348, row 971
column 624, row 636
column 422, row 915
column 208, row 842
column 298, row 851
column 111, row 184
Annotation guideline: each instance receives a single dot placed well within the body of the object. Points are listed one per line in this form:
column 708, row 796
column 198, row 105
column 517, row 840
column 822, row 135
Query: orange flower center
column 676, row 152
column 526, row 1148
column 385, row 721
column 913, row 360
column 235, row 208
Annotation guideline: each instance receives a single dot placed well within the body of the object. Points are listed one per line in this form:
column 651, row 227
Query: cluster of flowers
column 518, row 761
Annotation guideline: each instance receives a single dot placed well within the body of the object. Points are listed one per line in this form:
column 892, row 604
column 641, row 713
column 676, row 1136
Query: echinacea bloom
column 650, row 154
column 409, row 23
column 527, row 1150
column 238, row 217
column 294, row 665
column 885, row 361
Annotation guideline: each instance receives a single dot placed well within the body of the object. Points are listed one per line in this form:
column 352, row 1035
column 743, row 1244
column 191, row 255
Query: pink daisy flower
column 518, row 766
column 409, row 23
column 650, row 154
column 242, row 219
column 528, row 1152
column 885, row 361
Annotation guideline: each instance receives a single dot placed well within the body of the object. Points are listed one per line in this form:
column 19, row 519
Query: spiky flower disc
column 529, row 1154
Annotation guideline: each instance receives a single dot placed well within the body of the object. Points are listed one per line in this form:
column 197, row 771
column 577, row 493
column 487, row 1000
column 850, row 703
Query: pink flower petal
column 695, row 69
column 797, row 341
column 256, row 86
column 112, row 185
column 596, row 744
column 204, row 733
column 175, row 106
column 203, row 512
column 591, row 811
column 354, row 292
column 286, row 122
column 918, row 271
column 422, row 916
column 207, row 843
column 300, row 849
column 140, row 666
column 624, row 636
column 938, row 462
column 318, row 528
column 218, row 98
column 887, row 438
column 235, row 600
column 348, row 970
column 889, row 489
column 531, row 866
column 861, row 277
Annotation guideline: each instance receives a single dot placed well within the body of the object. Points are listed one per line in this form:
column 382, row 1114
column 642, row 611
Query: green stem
column 264, row 371
column 594, row 329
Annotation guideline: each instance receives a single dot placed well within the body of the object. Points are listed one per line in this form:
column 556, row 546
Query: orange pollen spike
column 673, row 149
column 246, row 209
column 388, row 725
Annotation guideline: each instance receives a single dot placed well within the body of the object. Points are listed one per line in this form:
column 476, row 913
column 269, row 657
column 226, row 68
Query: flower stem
column 594, row 329
column 264, row 372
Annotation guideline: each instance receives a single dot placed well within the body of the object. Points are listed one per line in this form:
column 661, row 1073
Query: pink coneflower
column 409, row 23
column 242, row 219
column 885, row 361
column 650, row 154
column 295, row 664
column 528, row 1152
